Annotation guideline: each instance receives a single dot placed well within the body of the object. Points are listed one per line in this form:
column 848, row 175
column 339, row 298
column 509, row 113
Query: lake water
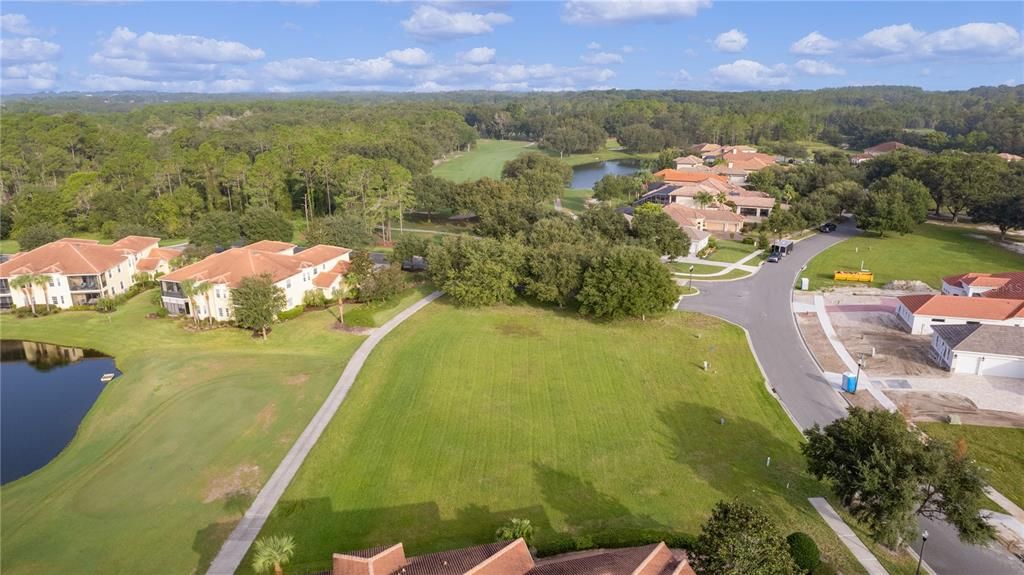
column 586, row 175
column 45, row 391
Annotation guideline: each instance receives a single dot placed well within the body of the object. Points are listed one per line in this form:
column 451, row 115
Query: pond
column 585, row 176
column 45, row 391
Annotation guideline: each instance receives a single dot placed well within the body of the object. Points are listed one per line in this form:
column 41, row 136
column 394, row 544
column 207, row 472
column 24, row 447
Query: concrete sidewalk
column 238, row 543
column 848, row 537
column 726, row 266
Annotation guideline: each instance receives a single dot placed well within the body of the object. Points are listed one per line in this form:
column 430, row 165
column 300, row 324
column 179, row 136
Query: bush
column 291, row 313
column 611, row 539
column 162, row 312
column 314, row 298
column 381, row 284
column 106, row 305
column 824, row 569
column 804, row 550
column 82, row 308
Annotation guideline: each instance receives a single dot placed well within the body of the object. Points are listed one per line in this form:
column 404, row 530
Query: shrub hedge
column 610, row 539
column 804, row 551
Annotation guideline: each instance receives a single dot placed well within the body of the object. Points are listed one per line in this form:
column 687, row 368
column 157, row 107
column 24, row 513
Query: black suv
column 827, row 227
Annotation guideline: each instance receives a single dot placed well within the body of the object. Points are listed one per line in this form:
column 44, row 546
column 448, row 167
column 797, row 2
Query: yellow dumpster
column 862, row 276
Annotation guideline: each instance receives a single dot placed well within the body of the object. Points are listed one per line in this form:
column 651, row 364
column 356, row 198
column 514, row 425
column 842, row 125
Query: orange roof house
column 999, row 285
column 920, row 311
column 670, row 175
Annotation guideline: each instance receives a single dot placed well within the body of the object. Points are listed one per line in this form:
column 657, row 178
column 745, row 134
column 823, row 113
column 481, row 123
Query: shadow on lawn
column 585, row 508
column 320, row 530
column 732, row 457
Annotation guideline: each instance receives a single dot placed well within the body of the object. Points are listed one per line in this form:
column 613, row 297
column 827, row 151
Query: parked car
column 827, row 227
column 774, row 258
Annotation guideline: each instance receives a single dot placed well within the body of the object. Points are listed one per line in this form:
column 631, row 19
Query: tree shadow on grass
column 732, row 457
column 584, row 506
column 320, row 530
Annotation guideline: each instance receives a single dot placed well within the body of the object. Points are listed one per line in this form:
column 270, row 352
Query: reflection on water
column 586, row 175
column 45, row 391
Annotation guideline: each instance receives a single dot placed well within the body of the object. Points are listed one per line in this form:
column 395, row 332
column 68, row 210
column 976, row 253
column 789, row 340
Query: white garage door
column 967, row 364
column 1003, row 367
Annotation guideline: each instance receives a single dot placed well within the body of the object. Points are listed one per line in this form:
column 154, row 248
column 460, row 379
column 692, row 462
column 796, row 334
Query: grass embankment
column 11, row 246
column 998, row 449
column 377, row 314
column 928, row 254
column 173, row 451
column 732, row 251
column 463, row 418
column 575, row 199
column 485, row 160
column 612, row 151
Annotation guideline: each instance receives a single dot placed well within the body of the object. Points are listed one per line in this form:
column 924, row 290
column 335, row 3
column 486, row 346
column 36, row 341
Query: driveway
column 761, row 303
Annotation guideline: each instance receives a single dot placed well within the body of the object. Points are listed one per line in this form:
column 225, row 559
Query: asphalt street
column 762, row 304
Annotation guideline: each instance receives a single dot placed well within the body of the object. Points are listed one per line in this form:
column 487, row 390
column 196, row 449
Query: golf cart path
column 237, row 545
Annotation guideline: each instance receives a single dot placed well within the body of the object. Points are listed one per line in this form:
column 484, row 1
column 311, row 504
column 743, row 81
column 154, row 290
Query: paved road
column 237, row 544
column 761, row 303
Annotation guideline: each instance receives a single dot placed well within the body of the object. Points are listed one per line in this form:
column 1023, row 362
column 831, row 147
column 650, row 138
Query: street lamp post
column 920, row 555
column 860, row 362
column 689, row 283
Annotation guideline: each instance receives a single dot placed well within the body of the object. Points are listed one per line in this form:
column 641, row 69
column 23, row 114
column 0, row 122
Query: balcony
column 85, row 283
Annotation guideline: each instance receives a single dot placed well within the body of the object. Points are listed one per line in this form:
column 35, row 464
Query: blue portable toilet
column 849, row 382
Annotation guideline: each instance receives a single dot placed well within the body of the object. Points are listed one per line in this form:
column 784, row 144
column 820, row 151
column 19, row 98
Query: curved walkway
column 726, row 266
column 237, row 544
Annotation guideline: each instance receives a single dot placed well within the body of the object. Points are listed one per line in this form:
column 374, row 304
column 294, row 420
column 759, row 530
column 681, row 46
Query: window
column 51, row 281
column 122, row 285
column 61, row 299
column 288, row 283
column 54, row 300
column 937, row 320
column 974, row 323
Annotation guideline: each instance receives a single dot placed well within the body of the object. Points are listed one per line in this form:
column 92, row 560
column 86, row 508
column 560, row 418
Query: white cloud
column 602, row 58
column 432, row 23
column 125, row 44
column 972, row 40
column 889, row 40
column 818, row 68
column 613, row 11
column 731, row 41
column 479, row 55
column 976, row 38
column 16, row 50
column 103, row 82
column 349, row 70
column 593, row 46
column 627, row 49
column 410, row 57
column 814, row 44
column 292, row 26
column 16, row 24
column 682, row 76
column 29, row 76
column 750, row 74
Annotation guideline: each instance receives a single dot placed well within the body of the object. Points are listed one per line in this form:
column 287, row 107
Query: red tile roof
column 670, row 175
column 319, row 254
column 148, row 264
column 1010, row 285
column 682, row 215
column 884, row 148
column 963, row 307
column 270, row 246
column 68, row 257
column 325, row 279
column 136, row 243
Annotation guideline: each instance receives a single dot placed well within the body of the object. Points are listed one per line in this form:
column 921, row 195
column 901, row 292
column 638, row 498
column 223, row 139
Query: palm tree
column 703, row 199
column 26, row 284
column 341, row 292
column 188, row 288
column 203, row 289
column 272, row 552
column 44, row 281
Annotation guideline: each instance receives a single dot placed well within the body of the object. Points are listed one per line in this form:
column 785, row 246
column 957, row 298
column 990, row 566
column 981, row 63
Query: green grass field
column 574, row 199
column 173, row 451
column 731, row 251
column 375, row 315
column 485, row 160
column 463, row 418
column 928, row 254
column 11, row 246
column 612, row 151
column 698, row 269
column 999, row 449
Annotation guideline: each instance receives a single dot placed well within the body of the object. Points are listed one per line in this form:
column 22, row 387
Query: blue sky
column 569, row 44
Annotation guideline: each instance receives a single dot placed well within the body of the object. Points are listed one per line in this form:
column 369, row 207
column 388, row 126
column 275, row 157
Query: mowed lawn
column 998, row 449
column 928, row 254
column 732, row 251
column 485, row 160
column 463, row 418
column 173, row 451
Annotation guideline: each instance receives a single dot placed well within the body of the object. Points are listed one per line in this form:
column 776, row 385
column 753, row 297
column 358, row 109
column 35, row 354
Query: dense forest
column 190, row 166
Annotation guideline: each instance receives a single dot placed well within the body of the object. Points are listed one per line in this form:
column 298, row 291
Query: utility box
column 805, row 284
column 849, row 383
